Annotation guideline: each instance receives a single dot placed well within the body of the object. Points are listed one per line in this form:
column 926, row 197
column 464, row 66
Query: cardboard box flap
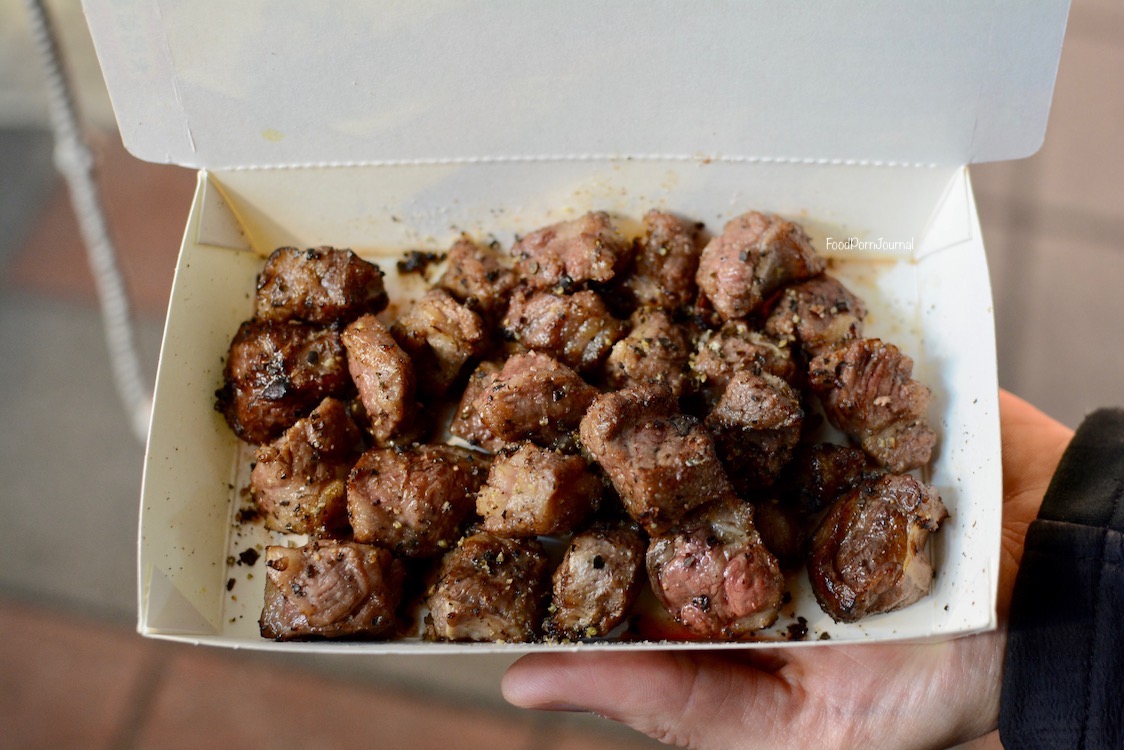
column 226, row 85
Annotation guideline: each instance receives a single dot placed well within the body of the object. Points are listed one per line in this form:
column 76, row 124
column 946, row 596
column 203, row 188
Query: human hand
column 855, row 696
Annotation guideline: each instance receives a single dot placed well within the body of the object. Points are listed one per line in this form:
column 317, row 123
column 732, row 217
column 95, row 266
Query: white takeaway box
column 388, row 126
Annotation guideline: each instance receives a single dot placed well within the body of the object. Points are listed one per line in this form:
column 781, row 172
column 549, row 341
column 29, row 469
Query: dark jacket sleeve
column 1063, row 681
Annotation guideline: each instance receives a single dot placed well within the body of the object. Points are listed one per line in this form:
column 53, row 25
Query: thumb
column 690, row 700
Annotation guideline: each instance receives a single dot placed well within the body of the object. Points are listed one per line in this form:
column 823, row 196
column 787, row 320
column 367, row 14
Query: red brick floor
column 72, row 682
column 146, row 206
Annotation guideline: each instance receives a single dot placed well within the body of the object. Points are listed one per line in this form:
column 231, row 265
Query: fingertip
column 527, row 684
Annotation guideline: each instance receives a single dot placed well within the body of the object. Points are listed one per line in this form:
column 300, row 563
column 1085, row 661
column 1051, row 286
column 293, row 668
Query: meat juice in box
column 391, row 126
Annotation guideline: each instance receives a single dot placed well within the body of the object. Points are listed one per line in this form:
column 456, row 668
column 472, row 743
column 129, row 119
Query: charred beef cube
column 576, row 329
column 320, row 285
column 596, row 583
column 565, row 256
column 537, row 491
column 663, row 271
column 330, row 590
column 298, row 481
column 655, row 352
column 441, row 336
column 489, row 589
column 755, row 255
column 476, row 277
column 713, row 573
column 820, row 473
column 277, row 373
column 868, row 555
column 534, row 397
column 733, row 348
column 466, row 423
column 817, row 315
column 756, row 425
column 867, row 392
column 414, row 501
column 384, row 375
column 661, row 463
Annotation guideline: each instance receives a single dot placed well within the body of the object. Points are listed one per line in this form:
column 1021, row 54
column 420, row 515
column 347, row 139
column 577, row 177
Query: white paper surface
column 929, row 294
column 221, row 84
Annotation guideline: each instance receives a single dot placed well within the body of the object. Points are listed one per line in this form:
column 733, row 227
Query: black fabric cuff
column 1063, row 681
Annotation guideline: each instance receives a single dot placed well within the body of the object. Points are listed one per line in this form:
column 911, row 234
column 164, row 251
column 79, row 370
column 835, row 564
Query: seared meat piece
column 655, row 352
column 276, row 373
column 820, row 473
column 297, row 481
column 755, row 255
column 756, row 425
column 414, row 501
column 661, row 462
column 319, row 285
column 663, row 271
column 566, row 255
column 476, row 277
column 817, row 315
column 467, row 424
column 577, row 329
column 330, row 590
column 783, row 531
column 868, row 554
column 534, row 397
column 535, row 491
column 713, row 573
column 440, row 335
column 867, row 392
column 384, row 375
column 733, row 348
column 490, row 589
column 597, row 582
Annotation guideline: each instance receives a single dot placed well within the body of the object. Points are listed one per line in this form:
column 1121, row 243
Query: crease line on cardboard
column 527, row 158
column 166, row 49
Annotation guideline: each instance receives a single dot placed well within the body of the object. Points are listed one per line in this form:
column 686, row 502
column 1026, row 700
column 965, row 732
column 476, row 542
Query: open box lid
column 226, row 85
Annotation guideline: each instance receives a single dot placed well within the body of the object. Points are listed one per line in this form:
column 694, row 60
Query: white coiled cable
column 75, row 162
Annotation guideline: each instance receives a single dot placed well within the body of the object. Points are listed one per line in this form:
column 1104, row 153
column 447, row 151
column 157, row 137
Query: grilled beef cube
column 414, row 501
column 713, row 573
column 820, row 473
column 576, row 329
column 320, row 285
column 596, row 583
column 476, row 277
column 467, row 424
column 661, row 463
column 755, row 255
column 534, row 397
column 663, row 271
column 783, row 529
column 817, row 315
column 756, row 425
column 489, row 589
column 536, row 491
column 733, row 348
column 566, row 255
column 441, row 336
column 868, row 555
column 655, row 352
column 384, row 375
column 298, row 480
column 277, row 373
column 330, row 590
column 867, row 392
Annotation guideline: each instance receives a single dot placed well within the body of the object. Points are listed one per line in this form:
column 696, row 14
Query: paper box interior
column 393, row 126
